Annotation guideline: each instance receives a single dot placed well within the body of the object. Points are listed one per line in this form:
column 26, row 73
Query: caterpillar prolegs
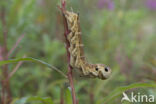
column 77, row 59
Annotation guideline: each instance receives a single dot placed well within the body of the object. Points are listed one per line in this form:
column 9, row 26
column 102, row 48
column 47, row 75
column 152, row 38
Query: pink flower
column 151, row 4
column 109, row 4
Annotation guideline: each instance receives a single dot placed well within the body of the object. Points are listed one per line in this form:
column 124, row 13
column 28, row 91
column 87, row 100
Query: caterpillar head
column 101, row 71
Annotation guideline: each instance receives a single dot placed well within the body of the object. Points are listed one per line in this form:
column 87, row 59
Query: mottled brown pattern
column 78, row 60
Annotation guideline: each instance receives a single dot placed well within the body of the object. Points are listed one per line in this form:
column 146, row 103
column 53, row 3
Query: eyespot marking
column 106, row 69
column 96, row 69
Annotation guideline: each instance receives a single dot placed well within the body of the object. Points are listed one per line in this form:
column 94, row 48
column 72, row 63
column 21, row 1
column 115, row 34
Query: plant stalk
column 66, row 32
column 6, row 92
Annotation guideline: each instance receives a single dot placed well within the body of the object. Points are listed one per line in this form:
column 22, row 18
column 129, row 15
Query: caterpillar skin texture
column 77, row 59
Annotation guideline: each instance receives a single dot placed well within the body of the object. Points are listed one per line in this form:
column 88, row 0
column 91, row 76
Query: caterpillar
column 77, row 59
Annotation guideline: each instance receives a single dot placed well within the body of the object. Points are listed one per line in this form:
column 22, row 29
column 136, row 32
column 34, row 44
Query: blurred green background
column 118, row 33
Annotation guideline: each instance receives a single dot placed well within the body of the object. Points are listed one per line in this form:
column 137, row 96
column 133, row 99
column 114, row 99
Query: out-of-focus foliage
column 118, row 33
column 33, row 99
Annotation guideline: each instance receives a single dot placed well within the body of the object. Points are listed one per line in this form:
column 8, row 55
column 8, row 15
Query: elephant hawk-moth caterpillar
column 77, row 58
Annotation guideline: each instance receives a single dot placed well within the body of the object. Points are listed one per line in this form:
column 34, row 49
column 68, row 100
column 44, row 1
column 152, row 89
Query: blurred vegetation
column 118, row 33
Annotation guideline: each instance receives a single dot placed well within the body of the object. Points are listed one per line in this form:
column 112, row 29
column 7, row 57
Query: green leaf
column 32, row 60
column 68, row 96
column 118, row 91
column 25, row 100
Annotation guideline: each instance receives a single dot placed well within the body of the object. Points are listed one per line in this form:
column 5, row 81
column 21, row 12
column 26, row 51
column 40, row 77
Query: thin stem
column 91, row 96
column 66, row 32
column 61, row 97
column 15, row 45
column 6, row 92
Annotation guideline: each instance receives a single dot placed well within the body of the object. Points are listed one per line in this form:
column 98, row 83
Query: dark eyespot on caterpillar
column 106, row 69
column 96, row 69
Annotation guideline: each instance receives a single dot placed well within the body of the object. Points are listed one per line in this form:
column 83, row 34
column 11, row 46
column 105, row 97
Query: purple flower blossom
column 109, row 4
column 151, row 4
